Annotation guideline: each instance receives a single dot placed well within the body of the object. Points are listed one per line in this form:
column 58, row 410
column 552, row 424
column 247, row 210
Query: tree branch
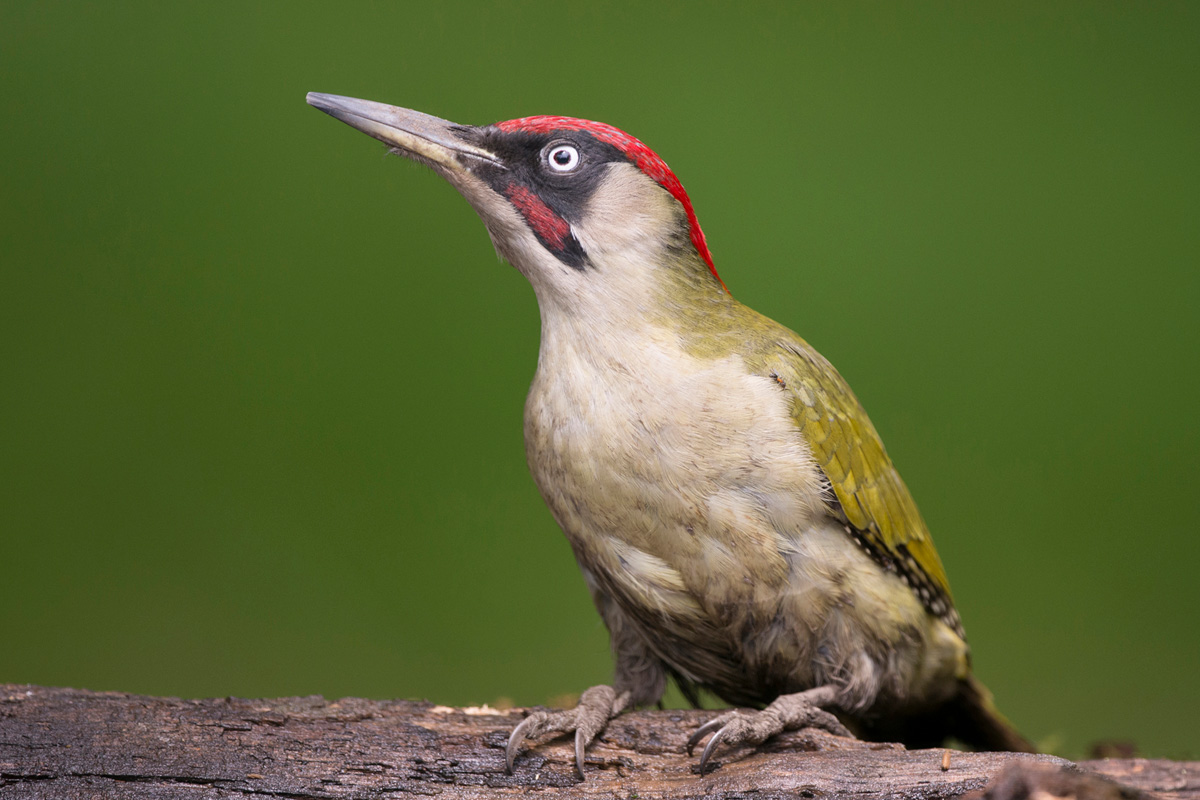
column 62, row 743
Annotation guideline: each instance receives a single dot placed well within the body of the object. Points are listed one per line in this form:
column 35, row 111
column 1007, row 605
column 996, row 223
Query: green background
column 260, row 412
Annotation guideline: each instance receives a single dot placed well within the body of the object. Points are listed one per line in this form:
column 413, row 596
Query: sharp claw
column 701, row 732
column 515, row 739
column 580, row 744
column 829, row 722
column 596, row 707
column 708, row 748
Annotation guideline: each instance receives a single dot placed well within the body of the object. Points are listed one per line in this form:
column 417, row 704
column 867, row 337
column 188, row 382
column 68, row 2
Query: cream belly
column 692, row 501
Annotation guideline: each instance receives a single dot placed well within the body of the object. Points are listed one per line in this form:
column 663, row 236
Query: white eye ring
column 563, row 158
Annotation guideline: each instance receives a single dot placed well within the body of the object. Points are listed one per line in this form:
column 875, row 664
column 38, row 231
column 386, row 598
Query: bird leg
column 596, row 707
column 788, row 712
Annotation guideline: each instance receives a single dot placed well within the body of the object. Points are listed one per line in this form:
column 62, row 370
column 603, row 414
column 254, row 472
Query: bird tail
column 977, row 723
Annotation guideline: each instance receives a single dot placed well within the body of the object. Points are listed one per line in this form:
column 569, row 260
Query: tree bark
column 68, row 743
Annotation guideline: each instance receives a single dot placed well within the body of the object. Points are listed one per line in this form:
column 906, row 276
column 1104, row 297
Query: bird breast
column 684, row 459
column 681, row 483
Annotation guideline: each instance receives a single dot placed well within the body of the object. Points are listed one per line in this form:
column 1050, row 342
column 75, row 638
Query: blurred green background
column 262, row 385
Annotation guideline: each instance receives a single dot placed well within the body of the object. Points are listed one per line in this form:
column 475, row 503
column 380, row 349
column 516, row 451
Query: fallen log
column 67, row 743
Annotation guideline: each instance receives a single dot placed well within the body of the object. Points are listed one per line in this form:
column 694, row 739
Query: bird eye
column 563, row 158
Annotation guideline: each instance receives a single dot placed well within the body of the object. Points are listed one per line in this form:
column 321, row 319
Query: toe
column 734, row 728
column 820, row 718
column 596, row 707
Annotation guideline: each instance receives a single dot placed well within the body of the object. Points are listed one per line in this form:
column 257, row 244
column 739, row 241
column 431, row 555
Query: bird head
column 589, row 214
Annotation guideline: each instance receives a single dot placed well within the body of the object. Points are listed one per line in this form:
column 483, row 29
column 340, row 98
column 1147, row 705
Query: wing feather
column 869, row 496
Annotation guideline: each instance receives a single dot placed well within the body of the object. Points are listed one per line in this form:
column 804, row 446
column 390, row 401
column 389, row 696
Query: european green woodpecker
column 737, row 520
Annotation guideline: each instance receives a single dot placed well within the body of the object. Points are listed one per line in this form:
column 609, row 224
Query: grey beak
column 421, row 136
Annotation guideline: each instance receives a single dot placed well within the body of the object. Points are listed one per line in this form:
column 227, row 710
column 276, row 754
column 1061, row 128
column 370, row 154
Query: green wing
column 871, row 499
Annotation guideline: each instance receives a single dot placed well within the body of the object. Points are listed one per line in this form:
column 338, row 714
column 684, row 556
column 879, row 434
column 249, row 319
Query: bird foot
column 788, row 713
column 596, row 707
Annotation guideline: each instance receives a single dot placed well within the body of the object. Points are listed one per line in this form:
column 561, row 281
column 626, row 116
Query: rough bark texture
column 66, row 743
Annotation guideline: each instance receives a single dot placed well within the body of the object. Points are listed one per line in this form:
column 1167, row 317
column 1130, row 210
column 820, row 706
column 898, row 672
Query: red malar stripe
column 550, row 226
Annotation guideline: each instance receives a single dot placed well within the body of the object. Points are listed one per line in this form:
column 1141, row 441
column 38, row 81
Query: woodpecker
column 737, row 520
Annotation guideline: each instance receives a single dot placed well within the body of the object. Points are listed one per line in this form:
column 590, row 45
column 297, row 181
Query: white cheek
column 626, row 216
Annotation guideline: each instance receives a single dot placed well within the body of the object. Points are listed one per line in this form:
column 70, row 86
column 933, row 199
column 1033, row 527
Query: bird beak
column 419, row 136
